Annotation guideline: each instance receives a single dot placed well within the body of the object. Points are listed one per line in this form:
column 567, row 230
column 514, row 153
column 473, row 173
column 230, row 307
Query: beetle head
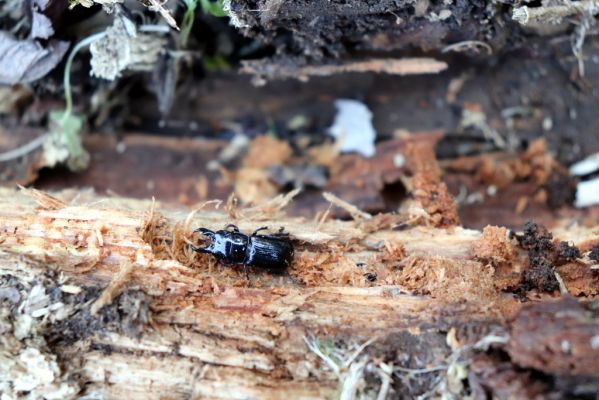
column 205, row 232
column 210, row 235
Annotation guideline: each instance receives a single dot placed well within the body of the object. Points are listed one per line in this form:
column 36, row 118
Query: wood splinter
column 114, row 288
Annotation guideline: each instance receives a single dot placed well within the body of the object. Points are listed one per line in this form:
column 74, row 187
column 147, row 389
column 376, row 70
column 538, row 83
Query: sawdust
column 451, row 280
column 336, row 266
column 497, row 265
column 581, row 279
column 494, row 246
column 535, row 165
column 552, row 183
column 426, row 185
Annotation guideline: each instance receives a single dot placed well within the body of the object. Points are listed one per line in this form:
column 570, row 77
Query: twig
column 553, row 14
column 316, row 350
column 484, row 343
column 324, row 217
column 421, row 370
column 354, row 211
column 352, row 379
column 155, row 5
column 386, row 372
column 358, row 351
column 402, row 66
column 467, row 44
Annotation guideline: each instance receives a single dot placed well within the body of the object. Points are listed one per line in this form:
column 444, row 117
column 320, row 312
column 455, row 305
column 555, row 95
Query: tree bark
column 176, row 324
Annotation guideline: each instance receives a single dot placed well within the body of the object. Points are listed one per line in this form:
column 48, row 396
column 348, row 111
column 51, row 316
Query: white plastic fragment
column 587, row 193
column 352, row 128
column 586, row 166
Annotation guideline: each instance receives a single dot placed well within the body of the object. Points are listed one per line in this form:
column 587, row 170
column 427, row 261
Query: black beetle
column 271, row 252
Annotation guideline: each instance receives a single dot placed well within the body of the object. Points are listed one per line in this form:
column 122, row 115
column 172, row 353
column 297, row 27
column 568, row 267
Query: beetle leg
column 259, row 229
column 235, row 228
column 281, row 233
column 246, row 271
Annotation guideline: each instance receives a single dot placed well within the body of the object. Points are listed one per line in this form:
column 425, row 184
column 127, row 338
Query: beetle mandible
column 271, row 252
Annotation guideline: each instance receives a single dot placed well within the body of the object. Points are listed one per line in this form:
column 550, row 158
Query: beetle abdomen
column 269, row 253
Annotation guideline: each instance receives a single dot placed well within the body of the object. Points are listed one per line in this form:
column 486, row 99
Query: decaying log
column 375, row 307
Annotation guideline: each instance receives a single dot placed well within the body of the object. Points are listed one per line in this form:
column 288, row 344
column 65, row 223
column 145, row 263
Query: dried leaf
column 24, row 61
column 41, row 26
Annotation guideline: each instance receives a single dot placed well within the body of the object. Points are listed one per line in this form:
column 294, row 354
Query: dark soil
column 308, row 31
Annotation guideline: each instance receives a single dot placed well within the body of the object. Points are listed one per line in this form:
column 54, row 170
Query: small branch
column 402, row 66
column 312, row 345
column 554, row 14
column 466, row 45
column 386, row 372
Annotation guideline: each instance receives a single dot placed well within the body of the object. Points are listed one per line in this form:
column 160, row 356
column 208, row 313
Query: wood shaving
column 115, row 287
column 44, row 200
column 355, row 212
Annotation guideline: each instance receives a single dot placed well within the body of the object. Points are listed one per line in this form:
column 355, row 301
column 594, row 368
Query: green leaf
column 216, row 63
column 64, row 143
column 214, row 8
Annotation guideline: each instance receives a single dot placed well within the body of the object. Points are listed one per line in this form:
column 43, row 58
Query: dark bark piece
column 558, row 337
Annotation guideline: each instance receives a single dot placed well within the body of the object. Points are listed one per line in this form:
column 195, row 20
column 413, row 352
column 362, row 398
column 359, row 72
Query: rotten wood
column 437, row 300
